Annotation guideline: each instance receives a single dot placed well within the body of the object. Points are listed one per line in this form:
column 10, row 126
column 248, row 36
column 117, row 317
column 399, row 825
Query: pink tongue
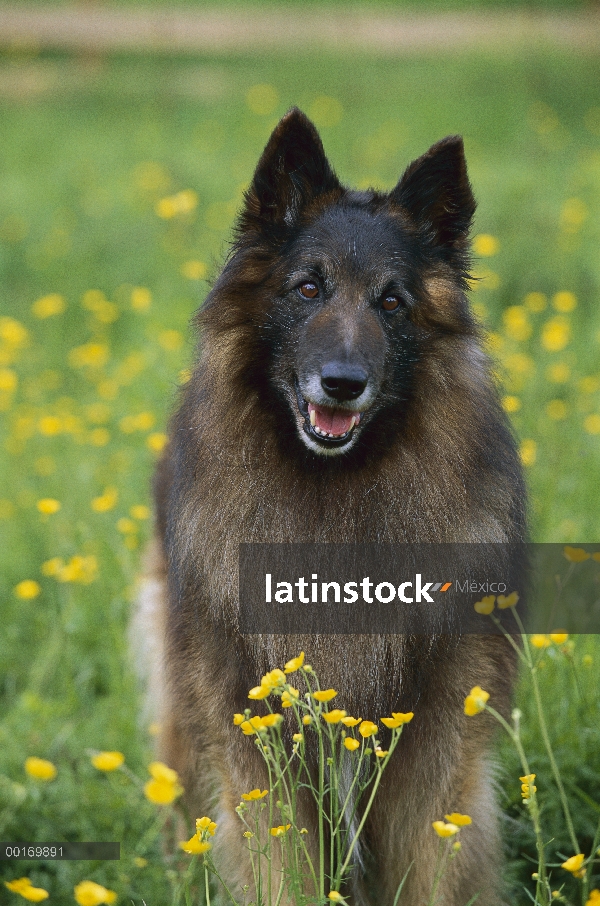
column 333, row 421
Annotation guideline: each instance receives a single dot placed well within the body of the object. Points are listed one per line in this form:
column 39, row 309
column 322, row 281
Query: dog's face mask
column 345, row 281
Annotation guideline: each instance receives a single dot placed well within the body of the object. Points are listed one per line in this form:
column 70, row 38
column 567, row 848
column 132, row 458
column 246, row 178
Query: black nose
column 343, row 381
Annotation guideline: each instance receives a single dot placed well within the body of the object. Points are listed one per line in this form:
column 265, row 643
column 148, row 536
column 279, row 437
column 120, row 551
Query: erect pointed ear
column 292, row 171
column 436, row 193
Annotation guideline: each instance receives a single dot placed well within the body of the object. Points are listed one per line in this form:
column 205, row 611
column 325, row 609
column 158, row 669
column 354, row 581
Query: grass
column 90, row 146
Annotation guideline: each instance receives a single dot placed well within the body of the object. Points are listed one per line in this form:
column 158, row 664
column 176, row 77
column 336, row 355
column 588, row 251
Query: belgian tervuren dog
column 340, row 394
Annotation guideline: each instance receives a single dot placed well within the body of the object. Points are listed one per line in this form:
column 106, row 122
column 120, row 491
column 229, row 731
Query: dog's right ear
column 291, row 172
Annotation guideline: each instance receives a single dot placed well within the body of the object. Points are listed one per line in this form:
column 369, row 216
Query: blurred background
column 129, row 133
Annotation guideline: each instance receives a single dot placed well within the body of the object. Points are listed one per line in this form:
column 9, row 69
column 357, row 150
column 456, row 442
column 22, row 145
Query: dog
column 340, row 394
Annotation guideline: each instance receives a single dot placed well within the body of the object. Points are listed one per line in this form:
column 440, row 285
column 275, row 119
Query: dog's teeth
column 313, row 418
column 353, row 422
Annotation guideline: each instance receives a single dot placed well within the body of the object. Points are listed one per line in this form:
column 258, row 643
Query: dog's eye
column 391, row 302
column 308, row 290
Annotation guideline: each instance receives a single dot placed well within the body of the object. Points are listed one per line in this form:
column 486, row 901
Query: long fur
column 434, row 462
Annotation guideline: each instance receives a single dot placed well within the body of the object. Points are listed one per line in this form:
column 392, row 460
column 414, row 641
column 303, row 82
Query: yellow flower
column 486, row 605
column 238, row 719
column 575, row 554
column 556, row 334
column 139, row 511
column 511, row 404
column 445, row 830
column 141, row 298
column 254, row 794
column 48, row 506
column 27, row 589
column 535, row 301
column 164, row 787
column 475, row 701
column 517, row 323
column 107, row 501
column 351, row 743
column 351, row 721
column 24, row 888
column 206, row 825
column 335, row 897
column 559, row 637
column 194, row 270
column 458, row 819
column 252, row 725
column 156, row 442
column 485, row 245
column 325, row 695
column 564, row 301
column 40, row 769
column 528, row 452
column 88, row 893
column 509, row 601
column 367, row 728
column 592, row 423
column 540, row 641
column 272, row 720
column 574, row 863
column 90, row 355
column 380, row 753
column 334, row 716
column 307, row 720
column 298, row 737
column 397, row 719
column 294, row 664
column 194, row 846
column 47, row 306
column 594, row 898
column 108, row 761
column 140, row 862
column 280, row 831
column 288, row 697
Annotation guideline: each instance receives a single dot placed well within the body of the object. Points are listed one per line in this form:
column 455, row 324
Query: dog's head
column 335, row 296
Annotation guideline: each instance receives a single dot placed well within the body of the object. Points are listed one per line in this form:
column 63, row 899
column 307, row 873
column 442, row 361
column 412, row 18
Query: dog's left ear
column 436, row 193
column 292, row 170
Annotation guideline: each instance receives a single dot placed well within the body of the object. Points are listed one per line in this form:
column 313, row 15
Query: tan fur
column 449, row 473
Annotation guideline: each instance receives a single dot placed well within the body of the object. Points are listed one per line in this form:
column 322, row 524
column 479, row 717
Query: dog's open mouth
column 328, row 426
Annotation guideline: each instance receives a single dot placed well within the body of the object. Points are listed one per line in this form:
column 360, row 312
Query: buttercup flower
column 280, row 831
column 527, row 787
column 334, row 716
column 367, row 728
column 509, row 601
column 298, row 737
column 25, row 888
column 48, row 506
column 294, row 664
column 351, row 743
column 335, row 897
column 40, row 769
column 252, row 725
column 397, row 719
column 540, row 641
column 272, row 720
column 238, row 719
column 325, row 695
column 445, row 830
column 206, row 826
column 194, row 846
column 164, row 787
column 486, row 605
column 574, row 863
column 575, row 554
column 88, row 893
column 475, row 701
column 559, row 637
column 288, row 697
column 108, row 761
column 307, row 720
column 254, row 794
column 351, row 721
column 458, row 819
column 27, row 589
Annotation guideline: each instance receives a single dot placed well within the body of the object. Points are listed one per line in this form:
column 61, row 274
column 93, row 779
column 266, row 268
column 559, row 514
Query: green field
column 95, row 154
